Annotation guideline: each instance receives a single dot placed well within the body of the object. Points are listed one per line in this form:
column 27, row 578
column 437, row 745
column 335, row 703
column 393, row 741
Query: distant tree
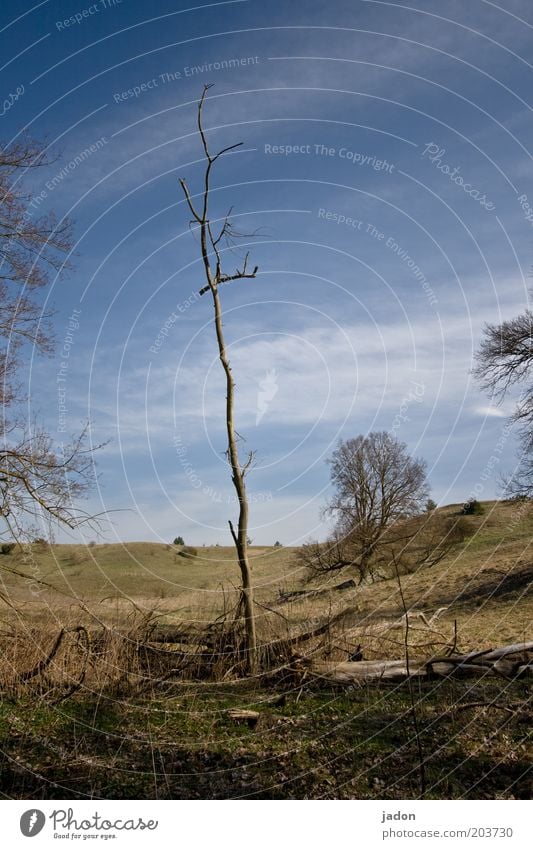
column 377, row 485
column 430, row 505
column 179, row 541
column 278, row 544
column 504, row 360
column 39, row 481
column 472, row 507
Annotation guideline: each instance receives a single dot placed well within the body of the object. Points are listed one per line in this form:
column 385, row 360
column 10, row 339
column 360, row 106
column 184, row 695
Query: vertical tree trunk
column 214, row 275
column 240, row 537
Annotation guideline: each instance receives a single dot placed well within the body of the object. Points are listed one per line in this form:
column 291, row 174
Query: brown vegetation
column 102, row 674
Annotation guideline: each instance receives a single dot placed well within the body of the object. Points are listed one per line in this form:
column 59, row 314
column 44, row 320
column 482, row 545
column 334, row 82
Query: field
column 130, row 724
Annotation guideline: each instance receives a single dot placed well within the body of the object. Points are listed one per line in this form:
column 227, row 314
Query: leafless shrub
column 413, row 544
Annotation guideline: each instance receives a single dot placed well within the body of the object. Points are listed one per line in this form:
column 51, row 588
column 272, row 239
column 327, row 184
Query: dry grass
column 135, row 657
column 50, row 663
column 107, row 578
column 148, row 719
column 483, row 584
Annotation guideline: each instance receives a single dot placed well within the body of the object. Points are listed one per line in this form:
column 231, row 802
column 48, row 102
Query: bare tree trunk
column 210, row 253
column 237, row 476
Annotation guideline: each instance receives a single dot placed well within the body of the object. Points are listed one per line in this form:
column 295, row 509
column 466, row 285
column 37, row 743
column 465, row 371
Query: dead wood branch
column 43, row 664
column 247, row 717
column 486, row 662
column 83, row 641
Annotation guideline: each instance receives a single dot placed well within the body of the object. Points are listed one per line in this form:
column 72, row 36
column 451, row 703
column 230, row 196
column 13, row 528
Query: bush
column 278, row 544
column 188, row 551
column 430, row 505
column 472, row 507
column 179, row 541
column 7, row 547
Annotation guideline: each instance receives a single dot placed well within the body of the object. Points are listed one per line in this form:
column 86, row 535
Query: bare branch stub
column 248, row 463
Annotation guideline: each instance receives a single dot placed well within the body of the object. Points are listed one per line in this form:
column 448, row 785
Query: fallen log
column 289, row 595
column 504, row 651
column 487, row 662
column 349, row 672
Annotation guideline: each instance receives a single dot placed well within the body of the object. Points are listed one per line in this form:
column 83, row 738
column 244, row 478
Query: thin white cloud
column 490, row 412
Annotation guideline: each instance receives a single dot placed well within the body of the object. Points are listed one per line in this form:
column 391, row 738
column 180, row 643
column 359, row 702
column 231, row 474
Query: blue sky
column 385, row 166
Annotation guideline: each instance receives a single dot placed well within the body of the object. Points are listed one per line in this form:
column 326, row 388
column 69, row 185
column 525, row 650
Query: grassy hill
column 483, row 582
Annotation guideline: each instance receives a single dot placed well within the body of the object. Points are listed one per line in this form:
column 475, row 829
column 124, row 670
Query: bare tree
column 504, row 360
column 377, row 488
column 211, row 238
column 38, row 481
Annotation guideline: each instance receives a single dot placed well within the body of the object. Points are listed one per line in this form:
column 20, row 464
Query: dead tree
column 210, row 241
